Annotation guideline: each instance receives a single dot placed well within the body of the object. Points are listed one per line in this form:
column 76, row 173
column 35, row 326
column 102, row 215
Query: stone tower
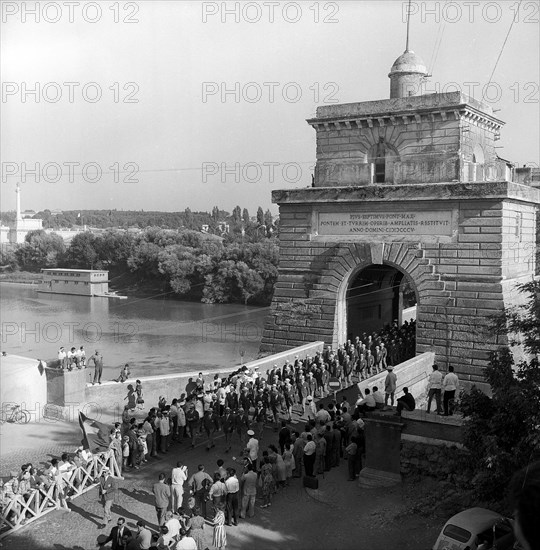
column 407, row 189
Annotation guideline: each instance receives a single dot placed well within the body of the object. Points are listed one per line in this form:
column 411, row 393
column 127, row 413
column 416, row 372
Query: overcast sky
column 177, row 132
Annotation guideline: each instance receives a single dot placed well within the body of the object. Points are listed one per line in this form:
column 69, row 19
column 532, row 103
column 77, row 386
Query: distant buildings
column 222, row 228
column 87, row 282
column 15, row 232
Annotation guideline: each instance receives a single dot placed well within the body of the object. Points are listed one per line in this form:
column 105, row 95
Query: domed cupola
column 407, row 75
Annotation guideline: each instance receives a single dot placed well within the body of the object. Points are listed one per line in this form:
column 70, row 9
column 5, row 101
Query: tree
column 231, row 281
column 113, row 248
column 40, row 250
column 8, row 259
column 260, row 216
column 82, row 252
column 189, row 219
column 237, row 215
column 502, row 431
column 245, row 217
column 268, row 219
column 215, row 214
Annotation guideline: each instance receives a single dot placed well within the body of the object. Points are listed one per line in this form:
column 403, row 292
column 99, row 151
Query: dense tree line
column 123, row 219
column 240, row 267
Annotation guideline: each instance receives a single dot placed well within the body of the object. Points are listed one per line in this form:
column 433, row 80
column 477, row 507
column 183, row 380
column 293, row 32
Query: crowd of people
column 188, row 503
column 238, row 407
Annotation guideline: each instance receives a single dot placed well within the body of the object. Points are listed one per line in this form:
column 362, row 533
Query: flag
column 95, row 434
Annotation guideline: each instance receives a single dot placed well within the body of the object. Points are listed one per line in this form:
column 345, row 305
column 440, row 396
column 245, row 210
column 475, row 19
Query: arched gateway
column 401, row 192
column 377, row 296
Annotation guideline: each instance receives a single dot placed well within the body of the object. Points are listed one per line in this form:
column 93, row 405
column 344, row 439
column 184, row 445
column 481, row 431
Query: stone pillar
column 383, row 447
column 66, row 388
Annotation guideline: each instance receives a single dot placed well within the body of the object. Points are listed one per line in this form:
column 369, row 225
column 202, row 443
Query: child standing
column 138, row 391
column 125, row 450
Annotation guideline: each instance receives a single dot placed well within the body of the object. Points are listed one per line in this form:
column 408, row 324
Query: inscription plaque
column 385, row 223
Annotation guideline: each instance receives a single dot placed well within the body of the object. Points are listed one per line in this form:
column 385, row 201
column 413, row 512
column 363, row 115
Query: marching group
column 186, row 503
column 238, row 407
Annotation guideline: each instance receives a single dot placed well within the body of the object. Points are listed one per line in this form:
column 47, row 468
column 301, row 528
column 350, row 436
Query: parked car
column 476, row 529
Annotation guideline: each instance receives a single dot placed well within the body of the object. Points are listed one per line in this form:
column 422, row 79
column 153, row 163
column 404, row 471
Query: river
column 153, row 335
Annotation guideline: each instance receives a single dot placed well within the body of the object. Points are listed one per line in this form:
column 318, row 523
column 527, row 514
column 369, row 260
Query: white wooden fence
column 21, row 510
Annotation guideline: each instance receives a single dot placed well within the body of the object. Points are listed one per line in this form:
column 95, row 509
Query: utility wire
column 505, row 41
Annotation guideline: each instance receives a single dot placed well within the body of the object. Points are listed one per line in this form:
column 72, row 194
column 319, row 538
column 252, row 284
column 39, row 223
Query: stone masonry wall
column 341, row 153
column 438, row 461
column 461, row 281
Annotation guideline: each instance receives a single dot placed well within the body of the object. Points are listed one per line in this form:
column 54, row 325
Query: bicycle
column 17, row 416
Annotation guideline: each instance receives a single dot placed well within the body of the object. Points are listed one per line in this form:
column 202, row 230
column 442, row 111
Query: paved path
column 338, row 516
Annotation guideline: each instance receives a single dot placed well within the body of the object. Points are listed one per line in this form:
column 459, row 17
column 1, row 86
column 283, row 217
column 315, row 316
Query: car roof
column 475, row 519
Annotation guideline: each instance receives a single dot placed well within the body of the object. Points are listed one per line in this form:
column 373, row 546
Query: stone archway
column 376, row 296
column 395, row 265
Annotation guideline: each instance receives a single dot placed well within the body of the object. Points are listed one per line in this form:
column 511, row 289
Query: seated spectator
column 366, row 404
column 72, row 358
column 379, row 398
column 406, row 401
column 124, row 373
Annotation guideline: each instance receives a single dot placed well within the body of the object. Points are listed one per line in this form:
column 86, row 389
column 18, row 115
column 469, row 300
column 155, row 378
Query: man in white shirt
column 179, row 476
column 233, row 497
column 82, row 355
column 185, row 542
column 449, row 386
column 367, row 404
column 62, row 358
column 172, row 524
column 253, row 448
column 378, row 397
column 434, row 388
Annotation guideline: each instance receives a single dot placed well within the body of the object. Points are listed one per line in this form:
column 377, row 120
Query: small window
column 457, row 533
column 66, row 282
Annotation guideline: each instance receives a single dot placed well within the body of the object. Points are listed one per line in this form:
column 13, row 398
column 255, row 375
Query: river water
column 153, row 335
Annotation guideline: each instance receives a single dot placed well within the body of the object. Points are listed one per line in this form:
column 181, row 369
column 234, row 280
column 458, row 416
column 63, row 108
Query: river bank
column 153, row 334
column 20, row 277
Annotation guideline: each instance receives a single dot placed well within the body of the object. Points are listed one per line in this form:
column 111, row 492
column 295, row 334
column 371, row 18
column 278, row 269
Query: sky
column 163, row 105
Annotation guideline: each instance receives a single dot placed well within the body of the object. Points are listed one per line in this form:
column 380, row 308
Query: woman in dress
column 281, row 469
column 288, row 459
column 197, row 526
column 220, row 536
column 268, row 482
